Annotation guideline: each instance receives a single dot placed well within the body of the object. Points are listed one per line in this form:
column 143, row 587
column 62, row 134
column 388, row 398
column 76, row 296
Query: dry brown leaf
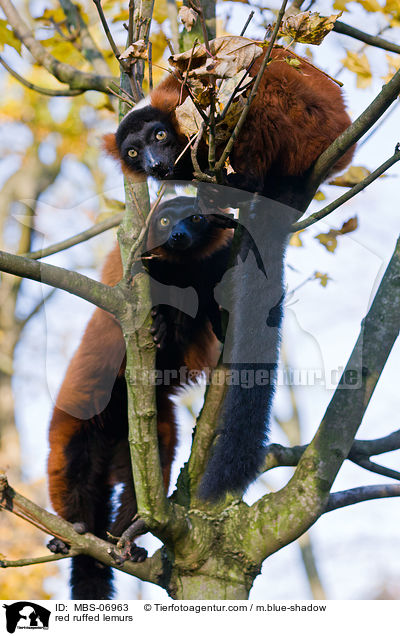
column 136, row 51
column 230, row 54
column 188, row 17
column 307, row 27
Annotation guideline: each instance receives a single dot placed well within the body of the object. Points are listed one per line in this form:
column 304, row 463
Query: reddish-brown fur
column 89, row 380
column 297, row 113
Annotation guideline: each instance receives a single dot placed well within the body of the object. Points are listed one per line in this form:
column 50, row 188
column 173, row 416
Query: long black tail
column 90, row 579
column 251, row 350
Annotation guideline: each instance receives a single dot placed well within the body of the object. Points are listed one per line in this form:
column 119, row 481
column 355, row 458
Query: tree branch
column 150, row 570
column 65, row 73
column 304, row 498
column 321, row 214
column 363, row 493
column 96, row 229
column 109, row 298
column 50, row 92
column 375, row 468
column 373, row 40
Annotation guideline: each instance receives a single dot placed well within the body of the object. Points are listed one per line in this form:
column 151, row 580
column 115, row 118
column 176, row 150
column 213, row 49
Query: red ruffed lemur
column 89, row 451
column 298, row 111
column 296, row 114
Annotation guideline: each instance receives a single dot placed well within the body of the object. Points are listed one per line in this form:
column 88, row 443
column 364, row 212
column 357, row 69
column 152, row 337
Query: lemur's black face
column 177, row 226
column 148, row 143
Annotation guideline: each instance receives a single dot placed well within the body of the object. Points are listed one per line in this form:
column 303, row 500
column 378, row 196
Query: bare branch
column 107, row 31
column 4, row 563
column 149, row 570
column 50, row 92
column 372, row 447
column 363, row 493
column 22, row 323
column 375, row 468
column 249, row 19
column 279, row 455
column 373, row 40
column 65, row 73
column 110, row 299
column 304, row 497
column 96, row 229
column 321, row 214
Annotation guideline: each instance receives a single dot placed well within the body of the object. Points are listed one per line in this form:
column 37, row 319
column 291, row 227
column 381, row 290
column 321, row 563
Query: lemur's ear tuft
column 110, row 145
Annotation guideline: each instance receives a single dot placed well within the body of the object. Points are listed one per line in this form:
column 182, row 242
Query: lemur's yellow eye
column 132, row 153
column 161, row 135
column 196, row 218
column 164, row 221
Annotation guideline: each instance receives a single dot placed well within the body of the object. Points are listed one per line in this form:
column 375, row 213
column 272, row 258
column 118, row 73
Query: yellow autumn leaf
column 159, row 44
column 8, row 37
column 329, row 239
column 341, row 5
column 51, row 15
column 121, row 16
column 323, row 278
column 160, row 12
column 351, row 177
column 392, row 8
column 371, row 6
column 393, row 64
column 358, row 63
column 65, row 51
column 295, row 239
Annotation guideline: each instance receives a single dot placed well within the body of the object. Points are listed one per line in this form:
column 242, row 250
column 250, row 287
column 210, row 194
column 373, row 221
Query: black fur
column 251, row 352
column 137, row 131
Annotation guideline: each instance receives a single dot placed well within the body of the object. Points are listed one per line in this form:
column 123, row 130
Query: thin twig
column 96, row 229
column 373, row 467
column 200, row 12
column 130, row 22
column 124, row 92
column 150, row 60
column 132, row 256
column 191, row 140
column 363, row 493
column 107, row 31
column 4, row 563
column 249, row 19
column 328, row 209
column 122, row 99
column 372, row 40
column 50, row 92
